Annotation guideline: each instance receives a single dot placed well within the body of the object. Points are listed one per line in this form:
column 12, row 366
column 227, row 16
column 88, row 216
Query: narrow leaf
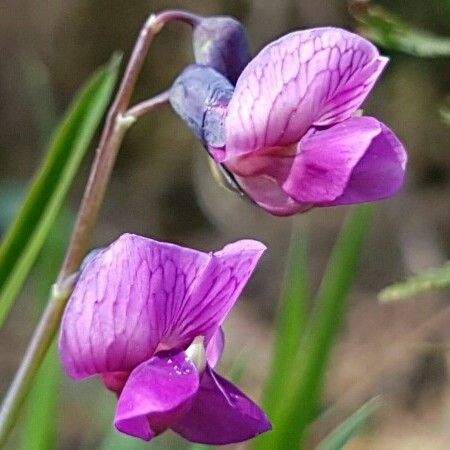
column 292, row 316
column 301, row 395
column 31, row 227
column 348, row 429
column 430, row 279
column 392, row 33
column 40, row 430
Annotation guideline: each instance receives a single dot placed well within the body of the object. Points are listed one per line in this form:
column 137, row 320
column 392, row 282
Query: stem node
column 124, row 121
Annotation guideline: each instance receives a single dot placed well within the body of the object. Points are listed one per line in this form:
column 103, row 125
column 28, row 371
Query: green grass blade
column 428, row 280
column 292, row 316
column 301, row 395
column 31, row 227
column 40, row 427
column 392, row 33
column 340, row 436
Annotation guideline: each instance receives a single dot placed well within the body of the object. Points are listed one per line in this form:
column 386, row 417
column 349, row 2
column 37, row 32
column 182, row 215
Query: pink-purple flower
column 145, row 316
column 289, row 132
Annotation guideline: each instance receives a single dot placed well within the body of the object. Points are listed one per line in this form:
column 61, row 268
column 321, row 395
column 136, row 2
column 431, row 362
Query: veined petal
column 326, row 158
column 221, row 414
column 312, row 77
column 123, row 302
column 138, row 296
column 158, row 394
column 266, row 192
column 217, row 289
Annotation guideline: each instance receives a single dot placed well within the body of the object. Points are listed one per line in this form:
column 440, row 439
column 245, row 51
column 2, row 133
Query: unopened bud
column 200, row 96
column 221, row 43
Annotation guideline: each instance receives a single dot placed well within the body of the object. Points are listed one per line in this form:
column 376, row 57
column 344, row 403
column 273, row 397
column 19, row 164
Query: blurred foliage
column 341, row 435
column 239, row 365
column 445, row 112
column 299, row 397
column 117, row 441
column 428, row 280
column 292, row 317
column 42, row 98
column 32, row 225
column 10, row 199
column 40, row 432
column 393, row 33
column 200, row 447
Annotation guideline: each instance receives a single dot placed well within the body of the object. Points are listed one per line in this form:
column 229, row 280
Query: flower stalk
column 118, row 120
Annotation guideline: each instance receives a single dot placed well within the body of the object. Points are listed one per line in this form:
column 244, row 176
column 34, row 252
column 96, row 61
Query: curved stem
column 147, row 106
column 116, row 125
column 111, row 139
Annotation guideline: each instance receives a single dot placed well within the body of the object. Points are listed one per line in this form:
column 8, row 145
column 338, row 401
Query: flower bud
column 221, row 43
column 200, row 96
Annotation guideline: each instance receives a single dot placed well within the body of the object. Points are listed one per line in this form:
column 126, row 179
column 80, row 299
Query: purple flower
column 146, row 316
column 288, row 133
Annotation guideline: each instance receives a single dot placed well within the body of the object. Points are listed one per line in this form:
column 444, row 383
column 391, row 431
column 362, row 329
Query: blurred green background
column 162, row 188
